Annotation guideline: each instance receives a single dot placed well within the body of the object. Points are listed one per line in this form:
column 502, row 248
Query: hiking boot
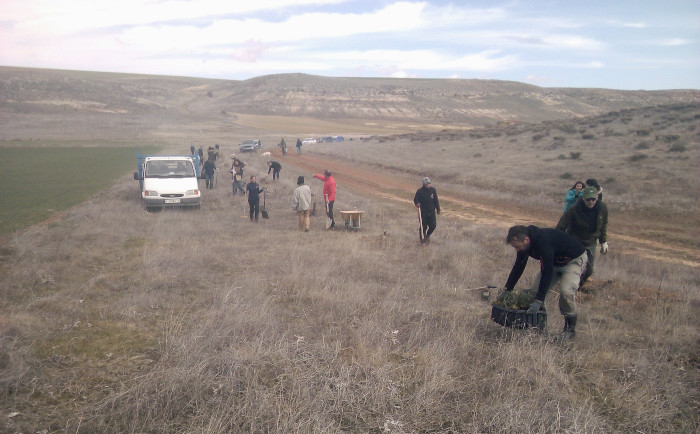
column 569, row 331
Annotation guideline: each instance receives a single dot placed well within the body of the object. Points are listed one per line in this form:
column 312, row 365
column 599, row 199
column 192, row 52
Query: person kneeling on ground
column 562, row 258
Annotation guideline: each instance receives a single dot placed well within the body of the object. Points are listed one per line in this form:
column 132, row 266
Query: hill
column 90, row 105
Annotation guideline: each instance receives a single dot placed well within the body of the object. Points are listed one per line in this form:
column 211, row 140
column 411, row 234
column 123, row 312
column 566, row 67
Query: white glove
column 604, row 248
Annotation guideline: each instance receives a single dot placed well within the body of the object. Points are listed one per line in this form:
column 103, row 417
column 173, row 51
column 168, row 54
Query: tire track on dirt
column 400, row 188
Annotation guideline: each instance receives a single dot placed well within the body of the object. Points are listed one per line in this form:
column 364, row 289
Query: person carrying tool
column 253, row 189
column 587, row 221
column 426, row 199
column 328, row 194
column 283, row 146
column 562, row 258
column 275, row 168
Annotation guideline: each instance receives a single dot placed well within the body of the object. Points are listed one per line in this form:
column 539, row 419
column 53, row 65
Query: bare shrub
column 637, row 157
column 677, row 147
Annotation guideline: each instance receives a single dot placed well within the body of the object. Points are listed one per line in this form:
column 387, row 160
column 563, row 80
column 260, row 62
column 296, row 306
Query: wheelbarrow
column 352, row 219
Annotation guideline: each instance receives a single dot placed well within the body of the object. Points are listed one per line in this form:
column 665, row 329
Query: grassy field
column 119, row 320
column 38, row 182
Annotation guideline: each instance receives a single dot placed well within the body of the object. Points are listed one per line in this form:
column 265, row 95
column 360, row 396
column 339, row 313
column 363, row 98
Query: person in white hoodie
column 301, row 203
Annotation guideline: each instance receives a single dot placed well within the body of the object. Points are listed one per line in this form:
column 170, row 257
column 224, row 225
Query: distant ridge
column 61, row 96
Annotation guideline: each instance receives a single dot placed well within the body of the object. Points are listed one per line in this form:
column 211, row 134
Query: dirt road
column 400, row 188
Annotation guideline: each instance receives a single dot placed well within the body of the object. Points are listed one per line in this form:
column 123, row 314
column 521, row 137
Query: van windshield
column 169, row 169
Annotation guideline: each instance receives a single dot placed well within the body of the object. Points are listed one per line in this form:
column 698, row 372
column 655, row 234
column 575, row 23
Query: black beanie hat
column 300, row 180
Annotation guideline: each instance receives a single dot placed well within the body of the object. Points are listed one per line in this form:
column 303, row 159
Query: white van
column 168, row 180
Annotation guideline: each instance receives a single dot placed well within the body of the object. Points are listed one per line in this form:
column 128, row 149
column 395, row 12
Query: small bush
column 643, row 132
column 636, row 157
column 669, row 138
column 642, row 145
column 562, row 157
column 588, row 136
column 677, row 147
column 477, row 155
column 569, row 129
column 537, row 137
column 566, row 175
column 575, row 155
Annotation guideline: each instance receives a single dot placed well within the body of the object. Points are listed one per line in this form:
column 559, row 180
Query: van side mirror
column 136, row 176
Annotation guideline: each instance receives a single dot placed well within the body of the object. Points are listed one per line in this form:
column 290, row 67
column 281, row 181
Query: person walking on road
column 209, row 170
column 426, row 199
column 562, row 258
column 298, row 146
column 253, row 189
column 587, row 221
column 275, row 168
column 301, row 203
column 283, row 146
column 328, row 193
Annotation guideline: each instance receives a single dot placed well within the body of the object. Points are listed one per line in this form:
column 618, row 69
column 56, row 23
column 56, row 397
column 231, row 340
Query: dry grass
column 118, row 320
column 200, row 321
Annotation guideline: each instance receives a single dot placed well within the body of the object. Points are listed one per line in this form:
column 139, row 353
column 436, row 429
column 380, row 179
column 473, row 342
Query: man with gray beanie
column 301, row 203
column 426, row 199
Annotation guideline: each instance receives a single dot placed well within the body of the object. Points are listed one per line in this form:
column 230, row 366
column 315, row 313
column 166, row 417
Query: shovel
column 263, row 211
column 328, row 217
column 420, row 222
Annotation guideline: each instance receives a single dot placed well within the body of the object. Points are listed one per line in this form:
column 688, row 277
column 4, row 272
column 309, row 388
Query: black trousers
column 254, row 208
column 275, row 174
column 330, row 210
column 429, row 223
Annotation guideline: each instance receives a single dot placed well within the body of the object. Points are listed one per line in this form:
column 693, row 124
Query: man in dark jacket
column 426, row 199
column 253, row 189
column 275, row 168
column 209, row 170
column 561, row 257
column 587, row 221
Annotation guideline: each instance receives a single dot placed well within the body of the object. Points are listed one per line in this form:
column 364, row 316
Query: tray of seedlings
column 510, row 310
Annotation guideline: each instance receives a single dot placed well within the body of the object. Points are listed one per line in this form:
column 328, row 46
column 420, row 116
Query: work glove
column 604, row 248
column 534, row 307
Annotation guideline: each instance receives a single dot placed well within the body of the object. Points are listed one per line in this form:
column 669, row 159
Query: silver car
column 250, row 145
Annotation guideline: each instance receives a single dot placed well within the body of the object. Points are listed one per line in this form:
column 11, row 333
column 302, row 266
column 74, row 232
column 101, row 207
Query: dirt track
column 399, row 188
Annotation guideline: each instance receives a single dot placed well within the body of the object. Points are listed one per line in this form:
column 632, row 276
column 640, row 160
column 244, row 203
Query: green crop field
column 37, row 182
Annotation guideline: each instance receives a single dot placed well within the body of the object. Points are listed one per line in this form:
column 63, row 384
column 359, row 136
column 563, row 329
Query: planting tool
column 264, row 212
column 312, row 213
column 328, row 218
column 420, row 222
column 486, row 294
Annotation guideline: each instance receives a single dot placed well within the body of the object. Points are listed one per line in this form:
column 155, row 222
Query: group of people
column 283, row 146
column 566, row 252
column 302, row 199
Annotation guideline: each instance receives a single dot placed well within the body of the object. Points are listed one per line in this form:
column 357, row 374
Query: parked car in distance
column 250, row 145
column 325, row 139
column 338, row 138
column 308, row 141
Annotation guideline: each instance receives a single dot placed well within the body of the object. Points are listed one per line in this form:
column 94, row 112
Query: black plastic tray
column 518, row 318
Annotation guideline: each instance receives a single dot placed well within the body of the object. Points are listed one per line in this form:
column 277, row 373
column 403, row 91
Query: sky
column 614, row 44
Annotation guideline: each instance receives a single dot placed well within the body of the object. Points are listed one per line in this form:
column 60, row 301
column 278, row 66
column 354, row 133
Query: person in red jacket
column 328, row 193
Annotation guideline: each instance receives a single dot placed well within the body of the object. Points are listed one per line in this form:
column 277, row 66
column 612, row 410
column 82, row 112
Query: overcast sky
column 617, row 44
